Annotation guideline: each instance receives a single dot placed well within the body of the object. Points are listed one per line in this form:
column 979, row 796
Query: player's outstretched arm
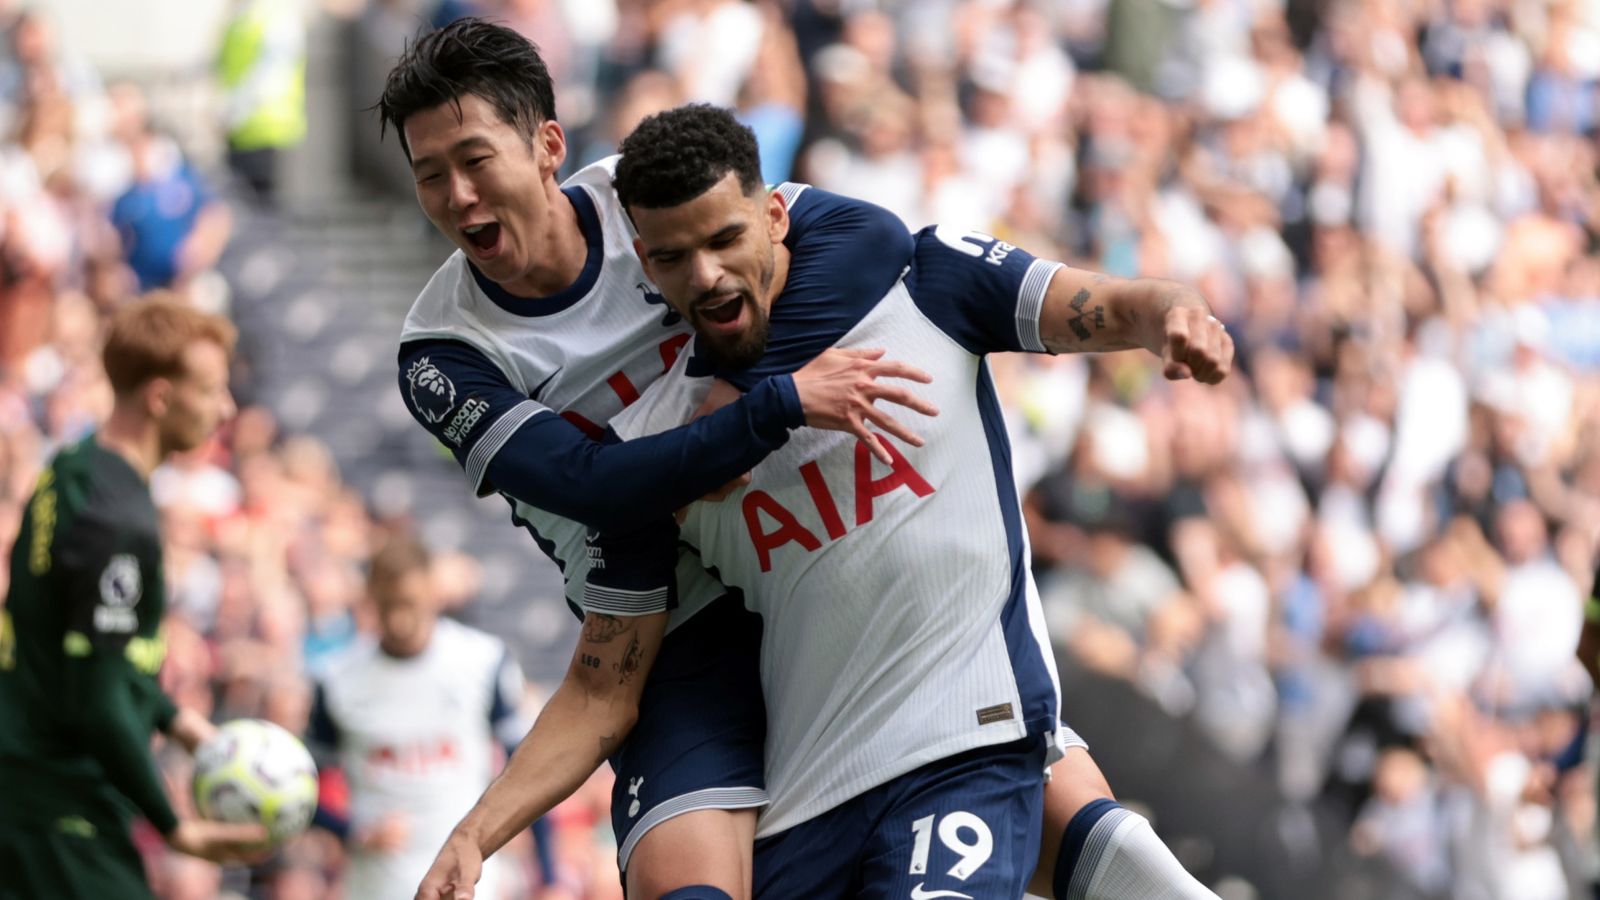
column 1086, row 312
column 509, row 443
column 190, row 728
column 220, row 842
column 585, row 721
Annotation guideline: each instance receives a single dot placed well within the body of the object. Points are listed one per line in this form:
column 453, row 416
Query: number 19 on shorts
column 962, row 832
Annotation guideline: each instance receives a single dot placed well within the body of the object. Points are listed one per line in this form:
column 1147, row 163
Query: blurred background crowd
column 1356, row 570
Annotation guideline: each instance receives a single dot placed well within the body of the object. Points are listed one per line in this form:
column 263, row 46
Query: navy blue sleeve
column 633, row 573
column 322, row 739
column 509, row 443
column 506, row 721
column 985, row 293
column 844, row 256
column 331, row 821
column 544, row 857
column 321, row 733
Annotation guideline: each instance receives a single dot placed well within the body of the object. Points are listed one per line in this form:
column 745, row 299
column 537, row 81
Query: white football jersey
column 418, row 737
column 478, row 367
column 901, row 621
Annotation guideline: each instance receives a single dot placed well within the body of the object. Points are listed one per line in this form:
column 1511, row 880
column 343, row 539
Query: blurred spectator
column 262, row 70
column 172, row 225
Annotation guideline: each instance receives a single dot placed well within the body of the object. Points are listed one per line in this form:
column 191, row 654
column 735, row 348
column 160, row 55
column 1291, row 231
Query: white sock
column 1124, row 860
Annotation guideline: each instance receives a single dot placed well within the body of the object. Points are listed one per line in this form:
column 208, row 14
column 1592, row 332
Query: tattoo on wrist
column 632, row 658
column 589, row 660
column 599, row 628
column 1085, row 317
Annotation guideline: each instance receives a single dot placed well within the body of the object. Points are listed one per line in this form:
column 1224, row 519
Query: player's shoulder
column 841, row 245
column 444, row 306
column 466, row 642
column 466, row 652
column 343, row 666
column 950, row 258
column 863, row 221
column 595, row 180
column 444, row 324
column 598, row 174
column 103, row 485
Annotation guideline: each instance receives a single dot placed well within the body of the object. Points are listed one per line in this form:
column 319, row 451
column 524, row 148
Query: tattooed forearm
column 1083, row 317
column 599, row 628
column 589, row 660
column 632, row 658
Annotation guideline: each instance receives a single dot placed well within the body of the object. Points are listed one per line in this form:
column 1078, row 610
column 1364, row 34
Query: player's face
column 191, row 406
column 406, row 613
column 713, row 259
column 483, row 184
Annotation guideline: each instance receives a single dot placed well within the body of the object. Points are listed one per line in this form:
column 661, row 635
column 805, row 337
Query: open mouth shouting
column 722, row 313
column 484, row 239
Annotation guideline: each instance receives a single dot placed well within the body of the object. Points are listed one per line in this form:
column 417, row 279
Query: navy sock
column 1072, row 843
column 697, row 892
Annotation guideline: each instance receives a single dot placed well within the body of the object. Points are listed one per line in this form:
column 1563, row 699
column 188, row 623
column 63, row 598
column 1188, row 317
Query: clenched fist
column 1195, row 346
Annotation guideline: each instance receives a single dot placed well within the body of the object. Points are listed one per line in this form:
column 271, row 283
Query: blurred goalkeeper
column 80, row 644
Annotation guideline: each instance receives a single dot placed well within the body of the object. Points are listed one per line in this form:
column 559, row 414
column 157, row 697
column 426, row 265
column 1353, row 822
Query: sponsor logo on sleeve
column 120, row 589
column 433, row 395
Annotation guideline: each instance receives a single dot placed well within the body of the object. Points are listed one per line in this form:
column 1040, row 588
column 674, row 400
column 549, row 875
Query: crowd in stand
column 1360, row 564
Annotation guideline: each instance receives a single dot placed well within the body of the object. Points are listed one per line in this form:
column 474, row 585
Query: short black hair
column 469, row 56
column 677, row 155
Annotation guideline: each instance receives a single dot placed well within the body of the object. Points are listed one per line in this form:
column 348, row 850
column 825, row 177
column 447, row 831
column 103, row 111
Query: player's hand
column 454, row 873
column 221, row 842
column 1196, row 346
column 838, row 390
column 191, row 729
column 386, row 835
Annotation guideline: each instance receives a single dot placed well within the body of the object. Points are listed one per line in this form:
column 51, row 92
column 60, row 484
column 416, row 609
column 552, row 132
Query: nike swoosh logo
column 917, row 893
column 534, row 395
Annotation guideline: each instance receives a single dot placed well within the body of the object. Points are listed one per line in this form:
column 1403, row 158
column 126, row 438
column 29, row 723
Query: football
column 255, row 771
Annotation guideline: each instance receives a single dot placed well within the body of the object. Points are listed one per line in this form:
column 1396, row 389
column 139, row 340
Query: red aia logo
column 788, row 528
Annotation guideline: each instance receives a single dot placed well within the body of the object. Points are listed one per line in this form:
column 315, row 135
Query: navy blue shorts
column 966, row 826
column 702, row 726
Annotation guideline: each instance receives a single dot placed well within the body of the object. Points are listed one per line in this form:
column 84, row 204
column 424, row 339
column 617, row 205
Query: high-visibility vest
column 276, row 116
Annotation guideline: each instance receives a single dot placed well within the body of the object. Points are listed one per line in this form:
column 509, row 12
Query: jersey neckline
column 99, row 447
column 534, row 307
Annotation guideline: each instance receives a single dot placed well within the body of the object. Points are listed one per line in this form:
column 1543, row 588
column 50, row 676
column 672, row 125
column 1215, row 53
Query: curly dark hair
column 469, row 56
column 677, row 155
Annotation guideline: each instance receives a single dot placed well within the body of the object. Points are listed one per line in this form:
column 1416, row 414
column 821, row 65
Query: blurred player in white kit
column 416, row 716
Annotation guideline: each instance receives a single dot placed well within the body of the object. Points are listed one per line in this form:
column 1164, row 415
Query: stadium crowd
column 1359, row 565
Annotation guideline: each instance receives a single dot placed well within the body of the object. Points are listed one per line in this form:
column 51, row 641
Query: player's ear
column 552, row 139
column 777, row 217
column 157, row 397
